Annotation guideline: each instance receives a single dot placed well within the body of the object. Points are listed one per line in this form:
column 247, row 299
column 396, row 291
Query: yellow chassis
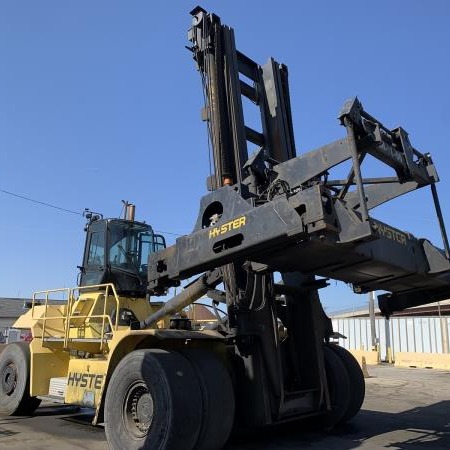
column 78, row 337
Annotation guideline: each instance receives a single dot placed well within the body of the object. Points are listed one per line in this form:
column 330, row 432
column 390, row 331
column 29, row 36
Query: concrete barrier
column 423, row 360
column 371, row 356
column 365, row 357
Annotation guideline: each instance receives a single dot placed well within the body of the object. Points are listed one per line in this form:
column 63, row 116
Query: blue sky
column 100, row 101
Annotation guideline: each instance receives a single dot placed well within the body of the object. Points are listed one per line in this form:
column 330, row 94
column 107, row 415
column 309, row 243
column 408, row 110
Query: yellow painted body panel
column 85, row 381
column 46, row 363
column 88, row 310
column 33, row 319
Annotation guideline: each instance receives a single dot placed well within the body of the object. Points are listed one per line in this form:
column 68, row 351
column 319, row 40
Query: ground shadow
column 422, row 428
column 55, row 410
column 4, row 423
column 81, row 418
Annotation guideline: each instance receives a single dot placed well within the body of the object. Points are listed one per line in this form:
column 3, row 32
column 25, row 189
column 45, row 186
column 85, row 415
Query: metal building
column 10, row 310
column 420, row 330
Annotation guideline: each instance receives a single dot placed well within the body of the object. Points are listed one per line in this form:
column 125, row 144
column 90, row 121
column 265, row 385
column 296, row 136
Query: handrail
column 45, row 317
column 109, row 290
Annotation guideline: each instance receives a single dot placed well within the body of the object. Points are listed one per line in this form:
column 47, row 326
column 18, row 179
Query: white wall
column 407, row 334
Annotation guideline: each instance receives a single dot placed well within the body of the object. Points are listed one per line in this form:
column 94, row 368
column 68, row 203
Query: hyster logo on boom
column 226, row 227
column 85, row 380
column 390, row 233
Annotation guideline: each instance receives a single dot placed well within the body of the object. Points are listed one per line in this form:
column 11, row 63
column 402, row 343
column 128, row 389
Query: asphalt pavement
column 404, row 409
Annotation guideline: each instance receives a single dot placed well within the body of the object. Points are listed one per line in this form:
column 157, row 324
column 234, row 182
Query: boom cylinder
column 189, row 295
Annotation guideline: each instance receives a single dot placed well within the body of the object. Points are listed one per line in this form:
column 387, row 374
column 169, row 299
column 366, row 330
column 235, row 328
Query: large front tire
column 153, row 401
column 356, row 378
column 15, row 399
column 217, row 397
column 338, row 387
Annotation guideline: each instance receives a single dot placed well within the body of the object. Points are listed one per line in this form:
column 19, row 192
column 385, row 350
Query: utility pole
column 444, row 330
column 373, row 331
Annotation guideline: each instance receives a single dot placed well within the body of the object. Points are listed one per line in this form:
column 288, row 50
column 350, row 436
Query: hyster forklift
column 270, row 233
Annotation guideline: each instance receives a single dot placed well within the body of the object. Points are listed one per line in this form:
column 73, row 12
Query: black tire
column 356, row 378
column 217, row 396
column 338, row 387
column 153, row 401
column 15, row 399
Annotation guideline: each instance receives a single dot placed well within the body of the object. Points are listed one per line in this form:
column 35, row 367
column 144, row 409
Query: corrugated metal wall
column 406, row 334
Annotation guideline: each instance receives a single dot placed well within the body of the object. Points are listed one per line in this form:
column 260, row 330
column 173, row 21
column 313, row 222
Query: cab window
column 96, row 256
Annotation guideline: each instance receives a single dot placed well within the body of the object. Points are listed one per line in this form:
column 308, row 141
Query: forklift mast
column 226, row 74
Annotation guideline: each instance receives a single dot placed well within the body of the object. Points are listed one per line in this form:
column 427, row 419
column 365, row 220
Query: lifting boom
column 282, row 212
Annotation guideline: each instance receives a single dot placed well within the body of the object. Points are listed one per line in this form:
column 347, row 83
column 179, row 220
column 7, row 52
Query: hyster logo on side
column 226, row 227
column 82, row 380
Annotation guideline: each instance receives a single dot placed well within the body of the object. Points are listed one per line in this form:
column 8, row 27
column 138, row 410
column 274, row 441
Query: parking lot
column 404, row 409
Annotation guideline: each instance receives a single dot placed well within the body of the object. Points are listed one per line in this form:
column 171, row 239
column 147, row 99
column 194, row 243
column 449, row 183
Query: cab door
column 94, row 261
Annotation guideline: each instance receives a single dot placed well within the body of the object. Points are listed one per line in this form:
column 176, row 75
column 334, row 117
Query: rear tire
column 356, row 378
column 338, row 387
column 217, row 396
column 153, row 401
column 15, row 399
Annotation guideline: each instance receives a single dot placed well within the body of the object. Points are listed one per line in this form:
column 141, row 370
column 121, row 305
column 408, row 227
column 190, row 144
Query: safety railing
column 36, row 301
column 70, row 315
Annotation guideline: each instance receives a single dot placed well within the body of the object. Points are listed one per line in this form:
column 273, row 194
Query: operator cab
column 116, row 251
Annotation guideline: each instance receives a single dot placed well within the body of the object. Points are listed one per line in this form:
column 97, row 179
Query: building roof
column 12, row 308
column 200, row 312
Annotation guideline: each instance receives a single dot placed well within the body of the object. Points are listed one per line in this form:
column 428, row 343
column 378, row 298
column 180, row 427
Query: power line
column 41, row 203
column 168, row 232
column 23, row 197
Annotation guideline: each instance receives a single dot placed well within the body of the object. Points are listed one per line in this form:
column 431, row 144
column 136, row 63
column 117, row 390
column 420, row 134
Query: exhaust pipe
column 130, row 211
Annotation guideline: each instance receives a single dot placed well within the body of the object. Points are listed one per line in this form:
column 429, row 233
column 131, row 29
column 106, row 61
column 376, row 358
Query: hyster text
column 226, row 227
column 85, row 380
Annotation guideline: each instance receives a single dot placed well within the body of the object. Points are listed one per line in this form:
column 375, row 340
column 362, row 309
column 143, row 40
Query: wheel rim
column 138, row 410
column 9, row 378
